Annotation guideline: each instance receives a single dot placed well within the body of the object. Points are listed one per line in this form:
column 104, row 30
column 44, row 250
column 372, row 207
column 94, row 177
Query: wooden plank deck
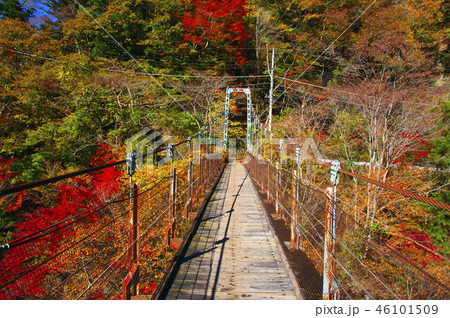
column 233, row 254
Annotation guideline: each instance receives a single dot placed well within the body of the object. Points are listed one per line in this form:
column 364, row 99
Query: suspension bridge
column 261, row 226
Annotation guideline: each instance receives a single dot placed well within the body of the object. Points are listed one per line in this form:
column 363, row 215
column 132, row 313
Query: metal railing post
column 260, row 179
column 200, row 162
column 329, row 265
column 173, row 191
column 191, row 187
column 206, row 157
column 130, row 285
column 134, row 222
column 299, row 215
column 269, row 166
column 277, row 189
column 268, row 181
column 190, row 180
column 294, row 207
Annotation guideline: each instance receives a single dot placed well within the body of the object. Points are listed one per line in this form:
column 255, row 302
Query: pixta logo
column 306, row 151
column 146, row 144
column 152, row 147
column 213, row 149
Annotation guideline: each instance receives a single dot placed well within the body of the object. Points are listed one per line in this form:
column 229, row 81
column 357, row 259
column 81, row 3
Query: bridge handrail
column 282, row 187
column 29, row 261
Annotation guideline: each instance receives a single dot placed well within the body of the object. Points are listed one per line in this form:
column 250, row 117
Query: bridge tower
column 229, row 91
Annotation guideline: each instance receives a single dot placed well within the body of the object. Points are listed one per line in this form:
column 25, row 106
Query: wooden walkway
column 233, row 254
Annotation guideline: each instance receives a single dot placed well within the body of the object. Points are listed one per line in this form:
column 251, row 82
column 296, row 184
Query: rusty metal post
column 200, row 161
column 197, row 181
column 268, row 177
column 264, row 176
column 268, row 180
column 204, row 173
column 329, row 265
column 209, row 154
column 190, row 178
column 260, row 141
column 277, row 189
column 191, row 187
column 257, row 169
column 201, row 172
column 173, row 192
column 261, row 172
column 130, row 285
column 260, row 178
column 264, row 143
column 294, row 207
column 134, row 224
column 299, row 215
column 209, row 162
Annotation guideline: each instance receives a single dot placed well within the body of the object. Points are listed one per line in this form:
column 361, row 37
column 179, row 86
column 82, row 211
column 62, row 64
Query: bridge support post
column 329, row 264
column 200, row 162
column 268, row 180
column 173, row 195
column 191, row 188
column 207, row 163
column 264, row 143
column 134, row 223
column 269, row 166
column 205, row 171
column 130, row 286
column 299, row 215
column 294, row 208
column 190, row 180
column 260, row 172
column 210, row 161
column 277, row 190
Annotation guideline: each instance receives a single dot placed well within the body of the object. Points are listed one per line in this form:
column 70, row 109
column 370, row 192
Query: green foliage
column 440, row 221
column 346, row 137
column 236, row 130
column 438, row 229
column 284, row 114
column 31, row 167
column 441, row 144
column 379, row 232
column 7, row 222
column 14, row 9
column 178, row 122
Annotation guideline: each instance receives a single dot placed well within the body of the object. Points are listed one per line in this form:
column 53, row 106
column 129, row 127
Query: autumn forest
column 368, row 81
